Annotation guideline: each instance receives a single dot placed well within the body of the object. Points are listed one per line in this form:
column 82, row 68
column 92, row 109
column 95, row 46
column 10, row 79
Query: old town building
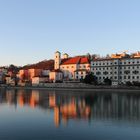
column 120, row 68
column 73, row 68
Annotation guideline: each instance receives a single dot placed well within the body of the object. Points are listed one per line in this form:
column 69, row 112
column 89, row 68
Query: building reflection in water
column 111, row 106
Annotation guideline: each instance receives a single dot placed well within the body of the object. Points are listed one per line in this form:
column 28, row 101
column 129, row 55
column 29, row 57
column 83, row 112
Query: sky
column 32, row 30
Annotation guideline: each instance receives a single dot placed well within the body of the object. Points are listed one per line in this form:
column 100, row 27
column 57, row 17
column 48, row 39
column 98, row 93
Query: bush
column 90, row 79
column 128, row 83
column 136, row 83
column 107, row 81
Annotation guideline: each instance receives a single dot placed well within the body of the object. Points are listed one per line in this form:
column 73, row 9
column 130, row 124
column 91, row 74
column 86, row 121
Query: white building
column 37, row 80
column 56, row 75
column 73, row 68
column 119, row 70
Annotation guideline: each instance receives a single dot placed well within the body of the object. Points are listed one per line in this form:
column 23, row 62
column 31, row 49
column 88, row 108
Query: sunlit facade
column 121, row 69
column 73, row 68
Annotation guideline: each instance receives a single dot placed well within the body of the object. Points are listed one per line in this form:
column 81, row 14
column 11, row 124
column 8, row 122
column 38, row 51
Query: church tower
column 57, row 60
column 65, row 56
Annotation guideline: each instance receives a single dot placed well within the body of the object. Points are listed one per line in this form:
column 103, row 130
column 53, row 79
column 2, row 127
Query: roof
column 75, row 60
column 57, row 52
column 109, row 59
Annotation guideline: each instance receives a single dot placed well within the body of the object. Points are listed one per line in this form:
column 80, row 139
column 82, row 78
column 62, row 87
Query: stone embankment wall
column 63, row 85
column 80, row 86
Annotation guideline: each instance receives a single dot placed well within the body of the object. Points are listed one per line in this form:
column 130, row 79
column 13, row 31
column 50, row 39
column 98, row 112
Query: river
column 69, row 115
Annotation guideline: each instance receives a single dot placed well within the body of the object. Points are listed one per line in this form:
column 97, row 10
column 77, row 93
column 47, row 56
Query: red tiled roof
column 84, row 60
column 75, row 60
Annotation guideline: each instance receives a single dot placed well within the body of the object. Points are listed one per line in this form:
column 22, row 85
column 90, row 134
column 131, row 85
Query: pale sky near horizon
column 32, row 30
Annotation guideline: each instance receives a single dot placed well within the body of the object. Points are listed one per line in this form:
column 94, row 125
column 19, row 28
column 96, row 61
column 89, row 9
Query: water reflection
column 77, row 105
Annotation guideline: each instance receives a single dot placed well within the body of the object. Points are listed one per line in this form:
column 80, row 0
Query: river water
column 69, row 115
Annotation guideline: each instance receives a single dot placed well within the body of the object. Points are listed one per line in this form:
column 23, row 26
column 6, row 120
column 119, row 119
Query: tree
column 107, row 81
column 13, row 68
column 89, row 56
column 90, row 79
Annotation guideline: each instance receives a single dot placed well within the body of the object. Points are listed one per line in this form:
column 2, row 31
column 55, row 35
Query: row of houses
column 119, row 68
column 65, row 69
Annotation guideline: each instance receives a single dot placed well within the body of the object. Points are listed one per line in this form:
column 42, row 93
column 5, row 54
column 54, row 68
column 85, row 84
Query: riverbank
column 77, row 86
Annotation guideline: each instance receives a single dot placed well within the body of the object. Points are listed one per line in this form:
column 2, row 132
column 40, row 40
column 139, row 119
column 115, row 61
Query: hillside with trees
column 46, row 65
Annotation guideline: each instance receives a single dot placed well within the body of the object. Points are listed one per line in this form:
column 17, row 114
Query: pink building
column 27, row 75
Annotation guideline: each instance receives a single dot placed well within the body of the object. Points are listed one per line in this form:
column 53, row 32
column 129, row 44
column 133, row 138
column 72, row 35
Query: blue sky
column 32, row 30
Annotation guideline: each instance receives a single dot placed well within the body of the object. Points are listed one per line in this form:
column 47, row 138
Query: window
column 105, row 73
column 127, row 72
column 135, row 72
column 98, row 73
column 133, row 77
